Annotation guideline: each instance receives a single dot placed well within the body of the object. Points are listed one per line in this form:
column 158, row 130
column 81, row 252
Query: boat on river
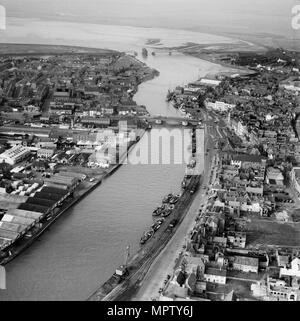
column 147, row 236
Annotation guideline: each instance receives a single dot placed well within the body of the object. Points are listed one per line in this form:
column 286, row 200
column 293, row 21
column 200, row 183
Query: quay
column 123, row 287
column 117, row 288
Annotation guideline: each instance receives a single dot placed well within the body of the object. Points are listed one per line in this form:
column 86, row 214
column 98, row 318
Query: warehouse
column 34, row 208
column 14, row 155
column 41, row 202
column 36, row 216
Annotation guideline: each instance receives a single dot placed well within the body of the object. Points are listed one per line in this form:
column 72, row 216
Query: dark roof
column 48, row 196
column 33, row 208
column 53, row 190
column 40, row 201
column 245, row 260
column 248, row 158
column 215, row 271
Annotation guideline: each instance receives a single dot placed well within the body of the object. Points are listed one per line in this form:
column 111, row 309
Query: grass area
column 266, row 232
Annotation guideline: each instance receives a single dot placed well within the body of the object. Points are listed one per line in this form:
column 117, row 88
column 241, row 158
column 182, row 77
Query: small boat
column 167, row 198
column 159, row 210
column 147, row 236
column 156, row 227
column 174, row 199
column 160, row 220
column 166, row 213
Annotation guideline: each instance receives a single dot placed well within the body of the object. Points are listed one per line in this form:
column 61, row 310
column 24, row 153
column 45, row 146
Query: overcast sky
column 264, row 16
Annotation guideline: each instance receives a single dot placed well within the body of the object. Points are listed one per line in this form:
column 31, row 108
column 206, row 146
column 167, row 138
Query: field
column 267, row 232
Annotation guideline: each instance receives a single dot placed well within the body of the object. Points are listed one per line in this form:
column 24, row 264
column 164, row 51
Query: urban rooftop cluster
column 245, row 241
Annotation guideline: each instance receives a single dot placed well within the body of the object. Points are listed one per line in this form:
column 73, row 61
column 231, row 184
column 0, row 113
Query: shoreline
column 84, row 191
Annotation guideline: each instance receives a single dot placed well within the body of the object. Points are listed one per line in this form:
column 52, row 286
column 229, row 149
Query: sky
column 244, row 16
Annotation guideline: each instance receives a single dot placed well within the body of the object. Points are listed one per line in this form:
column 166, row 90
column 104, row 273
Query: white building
column 45, row 153
column 274, row 176
column 219, row 106
column 215, row 275
column 293, row 270
column 246, row 264
column 210, row 82
column 14, row 155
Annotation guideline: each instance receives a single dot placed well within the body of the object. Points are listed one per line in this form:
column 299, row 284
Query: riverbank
column 117, row 288
column 79, row 193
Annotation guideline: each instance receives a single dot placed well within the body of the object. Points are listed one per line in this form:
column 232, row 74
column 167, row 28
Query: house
column 293, row 270
column 215, row 275
column 194, row 265
column 237, row 239
column 248, row 161
column 274, row 176
column 220, row 241
column 246, row 264
column 282, row 260
column 40, row 166
column 45, row 153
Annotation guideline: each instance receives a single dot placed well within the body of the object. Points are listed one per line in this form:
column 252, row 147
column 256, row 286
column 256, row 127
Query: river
column 83, row 248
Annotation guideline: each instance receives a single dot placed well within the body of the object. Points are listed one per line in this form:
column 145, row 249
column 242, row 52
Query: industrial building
column 14, row 155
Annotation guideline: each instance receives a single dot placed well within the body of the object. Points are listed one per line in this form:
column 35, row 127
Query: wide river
column 83, row 248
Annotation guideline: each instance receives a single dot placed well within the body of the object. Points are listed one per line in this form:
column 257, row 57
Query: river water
column 84, row 247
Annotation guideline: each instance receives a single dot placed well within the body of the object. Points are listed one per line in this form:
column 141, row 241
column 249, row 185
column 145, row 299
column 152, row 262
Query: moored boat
column 166, row 213
column 147, row 236
column 167, row 198
column 174, row 199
